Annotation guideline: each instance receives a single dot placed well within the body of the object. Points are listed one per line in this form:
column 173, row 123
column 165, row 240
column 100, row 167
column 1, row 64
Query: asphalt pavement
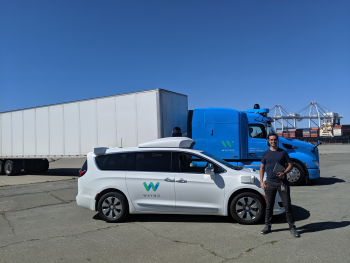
column 40, row 222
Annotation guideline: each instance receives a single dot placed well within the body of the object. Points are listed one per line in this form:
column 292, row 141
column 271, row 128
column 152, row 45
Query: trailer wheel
column 42, row 166
column 2, row 170
column 297, row 175
column 10, row 168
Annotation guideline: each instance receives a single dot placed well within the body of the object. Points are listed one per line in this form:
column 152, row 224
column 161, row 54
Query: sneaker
column 294, row 232
column 266, row 230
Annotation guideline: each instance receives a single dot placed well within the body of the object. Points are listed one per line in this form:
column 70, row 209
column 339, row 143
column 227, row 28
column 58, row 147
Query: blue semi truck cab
column 240, row 138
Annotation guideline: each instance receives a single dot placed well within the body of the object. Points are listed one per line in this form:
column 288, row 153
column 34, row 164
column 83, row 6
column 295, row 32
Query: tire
column 42, row 165
column 10, row 168
column 297, row 175
column 247, row 208
column 116, row 214
column 2, row 170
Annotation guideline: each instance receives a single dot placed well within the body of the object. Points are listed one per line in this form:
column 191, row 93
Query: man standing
column 276, row 182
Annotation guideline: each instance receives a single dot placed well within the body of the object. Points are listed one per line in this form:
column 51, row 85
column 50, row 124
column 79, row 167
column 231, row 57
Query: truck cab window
column 257, row 131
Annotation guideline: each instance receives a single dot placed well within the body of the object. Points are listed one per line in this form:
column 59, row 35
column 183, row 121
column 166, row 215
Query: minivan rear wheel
column 247, row 208
column 113, row 207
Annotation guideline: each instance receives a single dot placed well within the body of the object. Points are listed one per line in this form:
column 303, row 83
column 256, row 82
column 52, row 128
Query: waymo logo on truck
column 151, row 185
column 228, row 143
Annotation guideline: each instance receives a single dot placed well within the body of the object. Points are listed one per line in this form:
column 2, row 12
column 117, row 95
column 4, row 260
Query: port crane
column 313, row 111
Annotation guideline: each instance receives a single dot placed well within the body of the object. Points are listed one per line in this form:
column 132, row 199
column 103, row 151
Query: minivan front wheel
column 113, row 207
column 247, row 208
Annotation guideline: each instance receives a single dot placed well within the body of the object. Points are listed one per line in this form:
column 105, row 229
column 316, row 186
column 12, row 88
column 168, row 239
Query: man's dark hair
column 272, row 134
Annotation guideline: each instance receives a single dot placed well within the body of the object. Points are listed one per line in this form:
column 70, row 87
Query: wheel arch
column 108, row 190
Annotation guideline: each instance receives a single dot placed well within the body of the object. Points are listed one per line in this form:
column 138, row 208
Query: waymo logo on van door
column 151, row 185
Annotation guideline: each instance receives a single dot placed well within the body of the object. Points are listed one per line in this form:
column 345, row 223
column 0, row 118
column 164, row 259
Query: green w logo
column 151, row 185
column 228, row 143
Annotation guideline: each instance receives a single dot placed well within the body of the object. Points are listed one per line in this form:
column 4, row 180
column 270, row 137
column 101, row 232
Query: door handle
column 181, row 180
column 169, row 180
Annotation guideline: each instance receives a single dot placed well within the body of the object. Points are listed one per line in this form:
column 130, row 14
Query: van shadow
column 298, row 212
column 326, row 181
column 171, row 218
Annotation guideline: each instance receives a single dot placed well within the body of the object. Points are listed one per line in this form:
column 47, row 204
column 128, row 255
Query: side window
column 257, row 131
column 192, row 164
column 117, row 161
column 153, row 161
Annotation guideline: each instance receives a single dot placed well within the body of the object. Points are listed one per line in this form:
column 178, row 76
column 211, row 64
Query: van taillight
column 81, row 173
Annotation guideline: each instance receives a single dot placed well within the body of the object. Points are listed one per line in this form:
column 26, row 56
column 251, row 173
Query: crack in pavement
column 212, row 252
column 251, row 249
column 40, row 192
column 9, row 223
column 53, row 237
column 24, row 209
column 183, row 242
column 57, row 197
column 52, row 181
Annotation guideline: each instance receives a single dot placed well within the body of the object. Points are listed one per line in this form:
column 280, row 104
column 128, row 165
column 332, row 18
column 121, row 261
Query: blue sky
column 219, row 53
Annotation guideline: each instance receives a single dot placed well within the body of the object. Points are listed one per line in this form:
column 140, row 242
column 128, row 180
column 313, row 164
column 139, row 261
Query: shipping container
column 72, row 129
column 285, row 134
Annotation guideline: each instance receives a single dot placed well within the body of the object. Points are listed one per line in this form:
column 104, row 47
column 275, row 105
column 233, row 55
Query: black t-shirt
column 270, row 158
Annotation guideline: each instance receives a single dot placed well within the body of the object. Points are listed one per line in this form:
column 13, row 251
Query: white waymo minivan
column 168, row 176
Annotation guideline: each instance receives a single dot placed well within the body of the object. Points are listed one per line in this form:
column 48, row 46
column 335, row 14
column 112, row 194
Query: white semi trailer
column 29, row 137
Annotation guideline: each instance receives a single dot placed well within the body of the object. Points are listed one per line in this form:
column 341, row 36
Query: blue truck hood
column 303, row 147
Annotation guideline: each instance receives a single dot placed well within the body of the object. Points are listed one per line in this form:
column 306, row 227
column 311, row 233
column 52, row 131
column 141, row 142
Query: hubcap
column 111, row 207
column 247, row 208
column 293, row 175
column 8, row 168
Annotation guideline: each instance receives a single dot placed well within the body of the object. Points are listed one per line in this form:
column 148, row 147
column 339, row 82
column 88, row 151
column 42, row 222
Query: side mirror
column 319, row 142
column 210, row 171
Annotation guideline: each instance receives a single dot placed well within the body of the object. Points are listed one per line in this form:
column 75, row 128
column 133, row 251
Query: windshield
column 270, row 129
column 222, row 161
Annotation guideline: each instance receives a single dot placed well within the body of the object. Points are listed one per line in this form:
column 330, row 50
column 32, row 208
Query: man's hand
column 263, row 185
column 280, row 175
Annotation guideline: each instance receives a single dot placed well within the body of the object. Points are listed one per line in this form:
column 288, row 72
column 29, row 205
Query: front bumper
column 314, row 173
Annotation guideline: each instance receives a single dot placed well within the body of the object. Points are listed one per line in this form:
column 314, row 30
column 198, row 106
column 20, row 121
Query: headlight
column 315, row 162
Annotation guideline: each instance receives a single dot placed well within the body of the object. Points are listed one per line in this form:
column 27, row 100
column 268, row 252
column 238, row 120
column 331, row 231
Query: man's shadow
column 325, row 181
column 320, row 226
column 298, row 212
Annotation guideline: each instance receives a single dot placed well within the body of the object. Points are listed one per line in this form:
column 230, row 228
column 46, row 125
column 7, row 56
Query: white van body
column 173, row 191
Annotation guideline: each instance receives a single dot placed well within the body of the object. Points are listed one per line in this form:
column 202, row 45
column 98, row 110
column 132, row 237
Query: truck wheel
column 42, row 165
column 10, row 168
column 247, row 208
column 297, row 175
column 2, row 170
column 113, row 207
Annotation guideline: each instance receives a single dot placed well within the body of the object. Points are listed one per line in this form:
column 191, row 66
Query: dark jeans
column 270, row 192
